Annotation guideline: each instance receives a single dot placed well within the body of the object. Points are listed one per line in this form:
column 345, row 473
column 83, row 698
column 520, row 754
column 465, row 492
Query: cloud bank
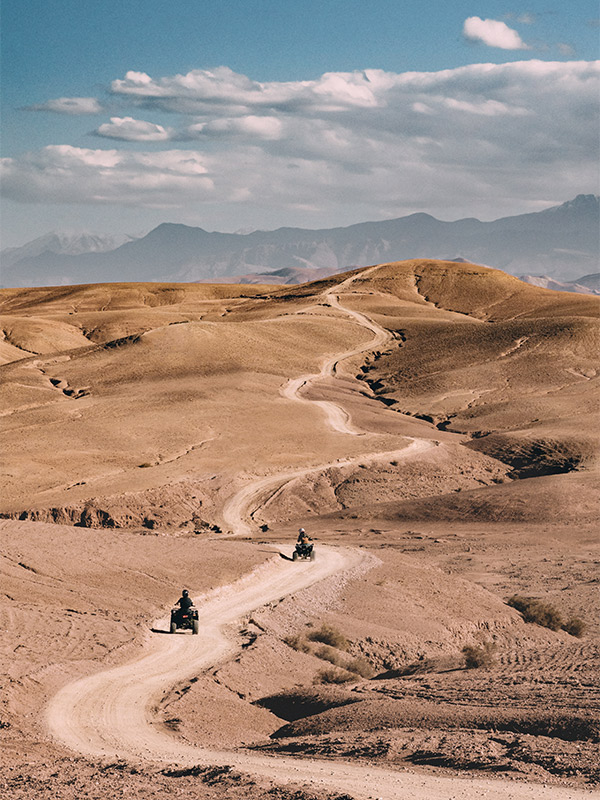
column 479, row 137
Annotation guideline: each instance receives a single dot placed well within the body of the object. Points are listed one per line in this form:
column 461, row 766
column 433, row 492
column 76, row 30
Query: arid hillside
column 434, row 425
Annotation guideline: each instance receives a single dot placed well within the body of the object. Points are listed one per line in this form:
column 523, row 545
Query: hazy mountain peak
column 583, row 203
column 65, row 243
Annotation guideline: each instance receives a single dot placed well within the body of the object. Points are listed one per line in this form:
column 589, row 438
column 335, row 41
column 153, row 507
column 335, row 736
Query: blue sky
column 117, row 116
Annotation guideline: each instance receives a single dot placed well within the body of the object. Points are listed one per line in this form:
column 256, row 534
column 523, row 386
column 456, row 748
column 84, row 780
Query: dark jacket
column 184, row 603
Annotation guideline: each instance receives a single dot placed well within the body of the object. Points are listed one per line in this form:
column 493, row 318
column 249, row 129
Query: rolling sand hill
column 433, row 424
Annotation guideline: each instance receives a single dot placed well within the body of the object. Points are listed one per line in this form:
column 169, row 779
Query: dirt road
column 337, row 418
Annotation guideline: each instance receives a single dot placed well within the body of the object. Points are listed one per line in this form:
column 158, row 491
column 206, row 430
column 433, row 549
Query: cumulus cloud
column 129, row 129
column 250, row 127
column 69, row 105
column 201, row 89
column 493, row 33
column 457, row 141
column 65, row 174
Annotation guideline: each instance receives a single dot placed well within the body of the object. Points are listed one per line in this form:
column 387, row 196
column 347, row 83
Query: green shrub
column 334, row 676
column 483, row 656
column 536, row 611
column 329, row 635
column 575, row 626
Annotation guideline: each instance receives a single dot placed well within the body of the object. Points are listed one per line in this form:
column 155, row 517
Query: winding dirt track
column 111, row 714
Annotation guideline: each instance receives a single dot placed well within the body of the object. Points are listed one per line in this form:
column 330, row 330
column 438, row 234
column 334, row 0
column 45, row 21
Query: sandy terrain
column 435, row 424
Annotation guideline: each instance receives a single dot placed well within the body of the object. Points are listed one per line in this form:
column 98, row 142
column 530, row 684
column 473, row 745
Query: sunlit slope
column 123, row 388
column 113, row 296
column 516, row 366
column 479, row 292
column 158, row 405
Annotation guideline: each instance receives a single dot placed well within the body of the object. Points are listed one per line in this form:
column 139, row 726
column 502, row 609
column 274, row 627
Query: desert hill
column 145, row 372
column 435, row 422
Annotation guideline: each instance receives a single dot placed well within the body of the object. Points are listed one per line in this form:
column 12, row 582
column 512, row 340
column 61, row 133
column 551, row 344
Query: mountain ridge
column 560, row 242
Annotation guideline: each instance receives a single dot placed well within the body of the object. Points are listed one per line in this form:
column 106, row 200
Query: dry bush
column 329, row 635
column 361, row 667
column 297, row 642
column 575, row 626
column 330, row 654
column 534, row 610
column 334, row 676
column 483, row 656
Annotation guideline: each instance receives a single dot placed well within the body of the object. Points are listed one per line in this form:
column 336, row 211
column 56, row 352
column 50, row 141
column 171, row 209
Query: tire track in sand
column 112, row 714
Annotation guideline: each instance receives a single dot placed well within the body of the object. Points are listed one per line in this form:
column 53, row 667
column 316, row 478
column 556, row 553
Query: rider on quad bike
column 302, row 535
column 186, row 616
column 185, row 601
column 304, row 547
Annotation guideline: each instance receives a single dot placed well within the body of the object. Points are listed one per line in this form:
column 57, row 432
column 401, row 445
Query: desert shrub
column 297, row 642
column 575, row 626
column 329, row 654
column 483, row 656
column 334, row 676
column 329, row 635
column 361, row 667
column 534, row 610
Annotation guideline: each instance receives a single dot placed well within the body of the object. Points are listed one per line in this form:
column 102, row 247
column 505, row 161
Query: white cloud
column 493, row 33
column 69, row 105
column 250, row 127
column 457, row 141
column 134, row 130
column 65, row 174
column 200, row 89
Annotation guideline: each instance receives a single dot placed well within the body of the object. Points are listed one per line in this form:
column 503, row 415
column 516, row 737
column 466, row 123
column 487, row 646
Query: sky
column 253, row 114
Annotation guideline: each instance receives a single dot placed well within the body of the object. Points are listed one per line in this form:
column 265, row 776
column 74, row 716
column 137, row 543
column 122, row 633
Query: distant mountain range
column 587, row 284
column 66, row 244
column 562, row 243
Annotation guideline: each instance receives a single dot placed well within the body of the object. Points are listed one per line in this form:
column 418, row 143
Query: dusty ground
column 454, row 445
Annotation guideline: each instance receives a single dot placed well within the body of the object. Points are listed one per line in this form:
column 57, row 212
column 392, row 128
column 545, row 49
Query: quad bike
column 184, row 619
column 304, row 551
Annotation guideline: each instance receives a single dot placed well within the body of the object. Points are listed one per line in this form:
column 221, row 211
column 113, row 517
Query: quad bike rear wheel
column 194, row 626
column 173, row 628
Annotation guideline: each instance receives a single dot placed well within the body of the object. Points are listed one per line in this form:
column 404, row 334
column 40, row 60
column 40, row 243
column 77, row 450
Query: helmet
column 301, row 530
column 185, row 592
